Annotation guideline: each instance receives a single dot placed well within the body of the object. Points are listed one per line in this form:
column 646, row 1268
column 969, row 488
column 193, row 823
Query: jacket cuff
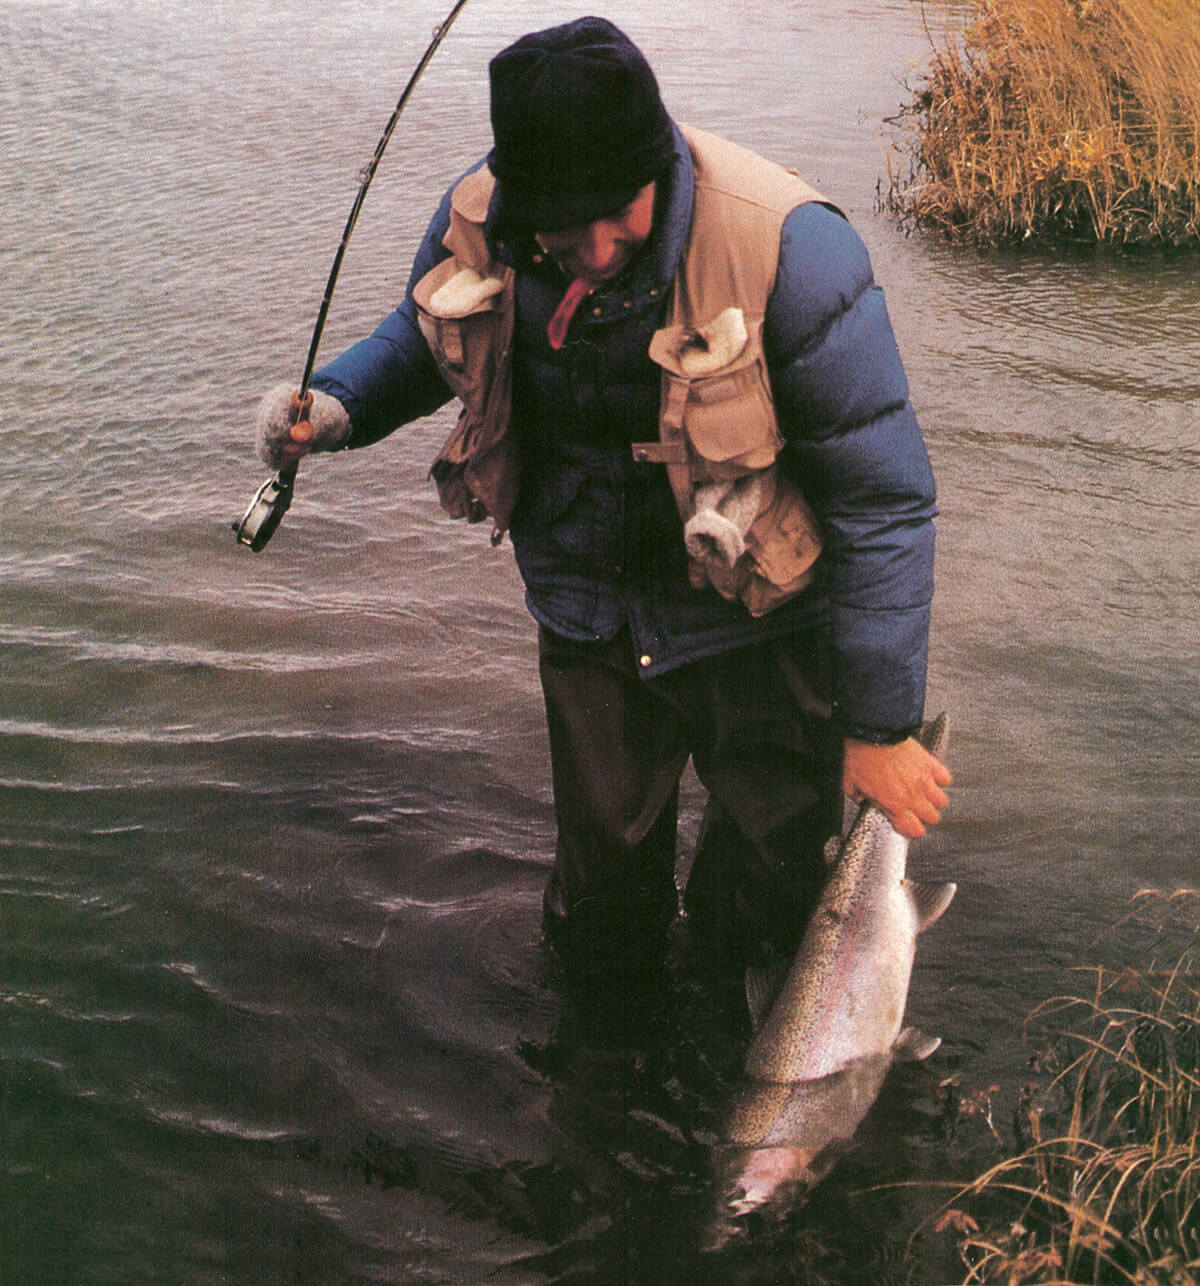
column 874, row 736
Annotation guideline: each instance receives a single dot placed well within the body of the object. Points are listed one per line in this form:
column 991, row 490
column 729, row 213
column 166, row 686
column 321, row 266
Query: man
column 683, row 398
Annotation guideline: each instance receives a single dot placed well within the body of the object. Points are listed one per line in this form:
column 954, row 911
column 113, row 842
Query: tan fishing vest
column 718, row 433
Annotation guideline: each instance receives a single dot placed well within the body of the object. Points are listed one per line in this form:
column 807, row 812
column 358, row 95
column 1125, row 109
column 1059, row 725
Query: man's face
column 602, row 250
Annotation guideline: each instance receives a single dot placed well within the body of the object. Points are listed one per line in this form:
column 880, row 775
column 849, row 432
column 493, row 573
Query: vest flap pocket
column 462, row 316
column 449, row 472
column 726, row 412
column 475, row 473
column 729, row 419
column 785, row 540
column 452, row 290
column 694, row 352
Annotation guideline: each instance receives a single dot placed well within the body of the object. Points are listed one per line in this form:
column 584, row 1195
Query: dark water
column 272, row 1006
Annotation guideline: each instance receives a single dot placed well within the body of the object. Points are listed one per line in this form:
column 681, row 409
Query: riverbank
column 1058, row 120
column 1105, row 1187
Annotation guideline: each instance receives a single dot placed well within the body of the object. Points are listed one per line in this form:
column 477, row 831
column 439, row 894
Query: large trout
column 827, row 1032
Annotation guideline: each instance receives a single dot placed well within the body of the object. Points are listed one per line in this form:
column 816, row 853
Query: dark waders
column 753, row 723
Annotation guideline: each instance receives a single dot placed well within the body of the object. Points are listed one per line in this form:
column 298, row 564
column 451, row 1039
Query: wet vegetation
column 1058, row 121
column 1106, row 1185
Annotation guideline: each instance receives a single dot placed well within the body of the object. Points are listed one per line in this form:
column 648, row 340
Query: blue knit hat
column 578, row 125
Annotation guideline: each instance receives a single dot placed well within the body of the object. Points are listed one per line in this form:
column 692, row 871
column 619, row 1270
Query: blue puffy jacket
column 598, row 537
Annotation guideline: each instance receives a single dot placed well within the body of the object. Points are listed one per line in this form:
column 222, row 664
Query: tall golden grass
column 1059, row 120
column 1107, row 1186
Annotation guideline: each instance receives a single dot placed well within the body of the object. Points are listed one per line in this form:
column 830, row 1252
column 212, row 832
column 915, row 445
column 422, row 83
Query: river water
column 272, row 1004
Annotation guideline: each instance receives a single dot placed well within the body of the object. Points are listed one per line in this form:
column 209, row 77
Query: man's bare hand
column 905, row 781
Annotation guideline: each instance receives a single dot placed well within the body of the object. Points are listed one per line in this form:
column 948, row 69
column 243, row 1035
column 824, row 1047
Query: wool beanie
column 578, row 125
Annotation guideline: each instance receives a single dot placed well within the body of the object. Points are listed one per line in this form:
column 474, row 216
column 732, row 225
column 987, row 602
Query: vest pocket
column 780, row 547
column 459, row 313
column 726, row 414
column 784, row 544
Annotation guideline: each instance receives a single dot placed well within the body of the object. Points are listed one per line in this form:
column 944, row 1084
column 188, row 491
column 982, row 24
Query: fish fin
column 935, row 734
column 762, row 986
column 914, row 1046
column 930, row 900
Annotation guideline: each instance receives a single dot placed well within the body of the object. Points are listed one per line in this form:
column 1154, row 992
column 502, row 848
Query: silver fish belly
column 827, row 1033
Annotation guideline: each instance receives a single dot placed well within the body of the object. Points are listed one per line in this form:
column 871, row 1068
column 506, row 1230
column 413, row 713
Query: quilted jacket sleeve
column 389, row 378
column 856, row 449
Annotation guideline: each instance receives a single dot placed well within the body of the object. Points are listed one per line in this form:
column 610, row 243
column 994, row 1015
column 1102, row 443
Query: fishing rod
column 275, row 495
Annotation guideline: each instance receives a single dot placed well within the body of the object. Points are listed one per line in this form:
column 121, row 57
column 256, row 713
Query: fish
column 827, row 1031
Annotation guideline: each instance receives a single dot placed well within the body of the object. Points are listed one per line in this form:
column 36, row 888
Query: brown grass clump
column 1107, row 1188
column 1059, row 120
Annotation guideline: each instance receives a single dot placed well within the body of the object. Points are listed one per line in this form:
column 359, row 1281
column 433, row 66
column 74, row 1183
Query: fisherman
column 682, row 397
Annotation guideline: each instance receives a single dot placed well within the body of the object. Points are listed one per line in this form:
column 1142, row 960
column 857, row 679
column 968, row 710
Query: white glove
column 725, row 512
column 276, row 419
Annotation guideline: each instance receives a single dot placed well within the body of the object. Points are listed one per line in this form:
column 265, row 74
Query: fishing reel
column 266, row 510
column 274, row 497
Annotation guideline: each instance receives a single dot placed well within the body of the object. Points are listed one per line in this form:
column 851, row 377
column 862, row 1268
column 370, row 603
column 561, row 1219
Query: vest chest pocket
column 715, row 392
column 460, row 315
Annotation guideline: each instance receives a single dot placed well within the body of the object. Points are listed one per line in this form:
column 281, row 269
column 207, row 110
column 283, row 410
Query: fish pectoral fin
column 762, row 986
column 930, row 901
column 913, row 1046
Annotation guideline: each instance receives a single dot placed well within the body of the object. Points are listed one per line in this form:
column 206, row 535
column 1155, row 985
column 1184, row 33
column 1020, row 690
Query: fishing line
column 275, row 495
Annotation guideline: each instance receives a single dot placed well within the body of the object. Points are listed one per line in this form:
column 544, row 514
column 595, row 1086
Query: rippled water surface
column 272, row 1003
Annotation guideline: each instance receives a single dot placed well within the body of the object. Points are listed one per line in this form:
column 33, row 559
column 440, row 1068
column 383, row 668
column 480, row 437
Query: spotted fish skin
column 827, row 1033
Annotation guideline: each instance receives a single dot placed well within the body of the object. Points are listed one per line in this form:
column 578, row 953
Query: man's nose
column 598, row 247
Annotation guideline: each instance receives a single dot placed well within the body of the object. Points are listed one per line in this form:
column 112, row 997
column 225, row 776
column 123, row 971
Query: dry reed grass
column 1059, row 120
column 1107, row 1187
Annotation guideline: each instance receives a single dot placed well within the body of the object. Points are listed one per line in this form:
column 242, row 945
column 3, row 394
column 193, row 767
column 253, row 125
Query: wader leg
column 766, row 751
column 617, row 756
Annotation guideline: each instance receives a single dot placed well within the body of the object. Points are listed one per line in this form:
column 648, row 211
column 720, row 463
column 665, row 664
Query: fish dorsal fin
column 762, row 986
column 930, row 900
column 913, row 1046
column 935, row 734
